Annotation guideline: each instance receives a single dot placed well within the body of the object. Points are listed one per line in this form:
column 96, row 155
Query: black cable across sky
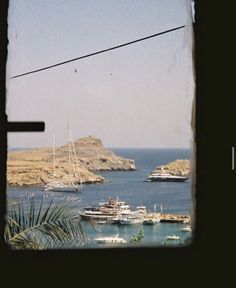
column 98, row 52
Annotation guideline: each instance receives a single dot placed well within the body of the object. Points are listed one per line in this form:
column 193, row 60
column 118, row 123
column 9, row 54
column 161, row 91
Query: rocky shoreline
column 34, row 167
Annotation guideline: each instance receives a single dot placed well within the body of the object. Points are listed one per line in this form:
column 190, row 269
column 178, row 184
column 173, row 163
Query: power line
column 99, row 52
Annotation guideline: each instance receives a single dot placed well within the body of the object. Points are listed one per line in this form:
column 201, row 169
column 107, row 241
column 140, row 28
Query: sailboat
column 70, row 186
column 152, row 219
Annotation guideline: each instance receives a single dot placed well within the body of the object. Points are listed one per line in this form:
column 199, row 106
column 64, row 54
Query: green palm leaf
column 51, row 224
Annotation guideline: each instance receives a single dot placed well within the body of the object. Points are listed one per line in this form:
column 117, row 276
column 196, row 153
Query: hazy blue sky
column 137, row 96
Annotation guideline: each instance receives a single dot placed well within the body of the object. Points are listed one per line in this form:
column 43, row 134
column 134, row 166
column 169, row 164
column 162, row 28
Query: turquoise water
column 130, row 187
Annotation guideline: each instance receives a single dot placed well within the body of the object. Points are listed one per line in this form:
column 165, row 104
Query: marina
column 169, row 200
column 119, row 212
column 114, row 212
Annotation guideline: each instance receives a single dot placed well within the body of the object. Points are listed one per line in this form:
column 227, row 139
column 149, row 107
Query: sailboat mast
column 74, row 153
column 69, row 156
column 53, row 156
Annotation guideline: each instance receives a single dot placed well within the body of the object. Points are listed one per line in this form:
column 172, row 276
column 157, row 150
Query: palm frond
column 47, row 225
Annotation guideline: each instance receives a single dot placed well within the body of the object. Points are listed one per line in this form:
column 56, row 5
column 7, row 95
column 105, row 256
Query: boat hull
column 166, row 179
column 64, row 189
column 150, row 222
column 130, row 221
column 186, row 229
column 96, row 217
column 110, row 240
column 173, row 237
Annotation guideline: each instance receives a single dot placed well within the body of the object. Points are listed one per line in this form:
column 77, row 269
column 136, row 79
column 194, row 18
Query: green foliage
column 44, row 224
column 138, row 237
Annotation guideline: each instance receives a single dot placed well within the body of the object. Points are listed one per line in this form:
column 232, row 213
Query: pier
column 173, row 218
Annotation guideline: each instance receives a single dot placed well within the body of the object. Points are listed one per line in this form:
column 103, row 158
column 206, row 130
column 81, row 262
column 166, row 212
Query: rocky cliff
column 35, row 167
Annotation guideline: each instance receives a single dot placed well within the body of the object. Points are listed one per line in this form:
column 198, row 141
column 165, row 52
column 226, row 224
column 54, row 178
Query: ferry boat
column 160, row 177
column 108, row 210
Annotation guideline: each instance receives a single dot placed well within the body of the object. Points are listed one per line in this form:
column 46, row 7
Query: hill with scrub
column 34, row 167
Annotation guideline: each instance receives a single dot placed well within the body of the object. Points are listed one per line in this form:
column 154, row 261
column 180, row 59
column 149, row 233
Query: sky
column 136, row 96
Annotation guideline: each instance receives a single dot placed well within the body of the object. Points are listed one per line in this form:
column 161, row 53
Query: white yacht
column 110, row 240
column 108, row 210
column 161, row 177
column 132, row 218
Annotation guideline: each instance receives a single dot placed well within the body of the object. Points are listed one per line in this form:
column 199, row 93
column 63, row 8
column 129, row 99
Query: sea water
column 129, row 186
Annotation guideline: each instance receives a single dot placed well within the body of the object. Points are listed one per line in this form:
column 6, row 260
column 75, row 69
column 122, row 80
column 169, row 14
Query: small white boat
column 173, row 237
column 186, row 229
column 110, row 240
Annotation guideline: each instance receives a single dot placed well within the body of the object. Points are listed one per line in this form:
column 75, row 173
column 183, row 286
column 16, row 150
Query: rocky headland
column 94, row 156
column 177, row 168
column 34, row 167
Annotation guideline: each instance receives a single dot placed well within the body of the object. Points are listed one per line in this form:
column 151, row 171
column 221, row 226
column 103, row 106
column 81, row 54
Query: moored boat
column 61, row 187
column 151, row 221
column 186, row 229
column 96, row 215
column 110, row 240
column 108, row 211
column 152, row 218
column 70, row 185
column 130, row 220
column 161, row 177
column 173, row 237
